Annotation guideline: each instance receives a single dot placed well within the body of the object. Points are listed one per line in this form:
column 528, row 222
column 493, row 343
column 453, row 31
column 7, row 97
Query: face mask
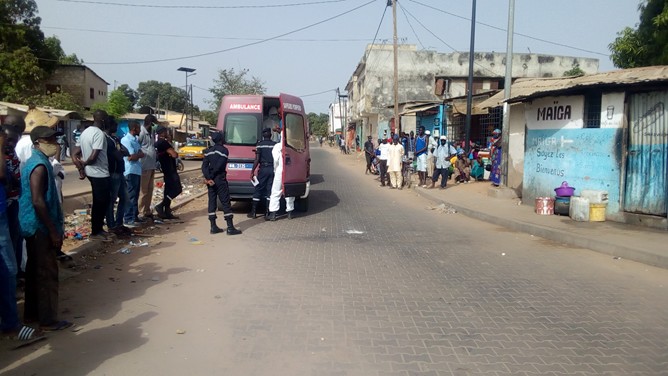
column 48, row 149
column 442, row 142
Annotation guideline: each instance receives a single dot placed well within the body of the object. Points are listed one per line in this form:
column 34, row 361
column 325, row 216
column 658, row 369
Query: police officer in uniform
column 265, row 175
column 214, row 168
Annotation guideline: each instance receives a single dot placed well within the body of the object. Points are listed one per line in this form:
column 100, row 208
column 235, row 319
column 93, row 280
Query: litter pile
column 443, row 209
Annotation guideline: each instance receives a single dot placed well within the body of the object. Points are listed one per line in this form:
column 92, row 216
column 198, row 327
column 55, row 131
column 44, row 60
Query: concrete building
column 81, row 82
column 604, row 132
column 337, row 114
column 433, row 76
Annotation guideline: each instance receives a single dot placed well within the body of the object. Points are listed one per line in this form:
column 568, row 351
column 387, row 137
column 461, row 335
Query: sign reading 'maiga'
column 555, row 113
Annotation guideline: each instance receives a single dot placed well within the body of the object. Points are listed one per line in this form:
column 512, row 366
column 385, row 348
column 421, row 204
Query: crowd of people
column 121, row 173
column 433, row 158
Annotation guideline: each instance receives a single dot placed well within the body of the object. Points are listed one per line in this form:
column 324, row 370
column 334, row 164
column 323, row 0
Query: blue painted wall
column 585, row 158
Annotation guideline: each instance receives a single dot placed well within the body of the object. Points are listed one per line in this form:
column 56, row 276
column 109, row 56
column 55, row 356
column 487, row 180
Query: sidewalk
column 645, row 245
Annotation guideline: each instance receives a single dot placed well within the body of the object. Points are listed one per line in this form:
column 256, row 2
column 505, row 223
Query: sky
column 309, row 48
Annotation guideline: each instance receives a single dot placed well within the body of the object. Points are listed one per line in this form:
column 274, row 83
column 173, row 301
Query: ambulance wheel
column 301, row 204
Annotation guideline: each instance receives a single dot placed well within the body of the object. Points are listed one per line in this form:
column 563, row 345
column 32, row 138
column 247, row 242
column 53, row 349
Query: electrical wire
column 411, row 25
column 515, row 33
column 319, row 93
column 201, row 6
column 236, row 47
column 197, row 36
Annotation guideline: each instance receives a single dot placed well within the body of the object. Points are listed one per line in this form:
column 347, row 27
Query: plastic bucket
column 597, row 212
column 544, row 205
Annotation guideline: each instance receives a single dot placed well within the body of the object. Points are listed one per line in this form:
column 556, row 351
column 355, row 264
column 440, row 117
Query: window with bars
column 592, row 110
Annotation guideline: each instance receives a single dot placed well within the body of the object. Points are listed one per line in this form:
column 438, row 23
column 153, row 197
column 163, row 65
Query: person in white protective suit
column 277, row 186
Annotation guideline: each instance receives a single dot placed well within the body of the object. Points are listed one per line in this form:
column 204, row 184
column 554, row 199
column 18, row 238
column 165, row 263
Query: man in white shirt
column 443, row 153
column 93, row 158
column 431, row 148
column 148, row 164
column 395, row 156
column 384, row 149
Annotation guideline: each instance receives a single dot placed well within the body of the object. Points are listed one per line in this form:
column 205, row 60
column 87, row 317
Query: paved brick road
column 371, row 283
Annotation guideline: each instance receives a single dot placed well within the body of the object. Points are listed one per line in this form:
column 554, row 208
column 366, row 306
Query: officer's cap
column 217, row 137
column 266, row 132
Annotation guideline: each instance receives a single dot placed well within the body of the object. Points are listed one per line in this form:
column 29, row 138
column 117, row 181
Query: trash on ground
column 133, row 243
column 443, row 208
column 180, row 331
column 195, row 241
column 124, row 251
column 354, row 232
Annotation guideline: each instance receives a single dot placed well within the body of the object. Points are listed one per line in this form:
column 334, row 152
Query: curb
column 89, row 246
column 560, row 236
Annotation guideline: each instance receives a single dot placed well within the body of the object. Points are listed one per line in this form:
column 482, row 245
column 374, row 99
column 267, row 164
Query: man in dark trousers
column 166, row 155
column 214, row 169
column 369, row 154
column 265, row 175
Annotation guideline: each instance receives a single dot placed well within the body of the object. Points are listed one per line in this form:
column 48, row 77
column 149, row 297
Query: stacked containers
column 598, row 202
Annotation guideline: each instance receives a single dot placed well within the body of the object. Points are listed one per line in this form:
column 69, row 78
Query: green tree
column 118, row 104
column 25, row 58
column 210, row 117
column 318, row 124
column 161, row 94
column 230, row 82
column 60, row 100
column 130, row 93
column 575, row 71
column 648, row 43
column 53, row 43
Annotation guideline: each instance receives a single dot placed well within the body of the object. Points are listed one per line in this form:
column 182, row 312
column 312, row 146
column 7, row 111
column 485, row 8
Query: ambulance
column 241, row 119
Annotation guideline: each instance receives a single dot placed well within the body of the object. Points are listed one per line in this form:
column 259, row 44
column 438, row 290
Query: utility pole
column 397, row 124
column 505, row 128
column 469, row 96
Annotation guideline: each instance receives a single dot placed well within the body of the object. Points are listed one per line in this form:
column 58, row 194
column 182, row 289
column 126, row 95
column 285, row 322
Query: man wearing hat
column 214, row 169
column 433, row 143
column 166, row 156
column 42, row 227
column 443, row 153
column 395, row 156
column 265, row 175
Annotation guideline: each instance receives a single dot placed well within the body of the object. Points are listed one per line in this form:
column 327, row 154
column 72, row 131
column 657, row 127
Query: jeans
column 133, row 182
column 383, row 171
column 441, row 171
column 117, row 190
column 100, row 190
column 9, row 317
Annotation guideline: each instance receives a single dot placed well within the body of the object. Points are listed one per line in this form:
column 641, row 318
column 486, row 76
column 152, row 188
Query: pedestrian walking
column 265, row 175
column 214, row 169
column 93, row 158
column 368, row 153
column 42, row 226
column 382, row 160
column 166, row 156
column 395, row 157
column 133, row 172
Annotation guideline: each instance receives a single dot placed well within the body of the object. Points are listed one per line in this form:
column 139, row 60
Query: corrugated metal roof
column 24, row 108
column 525, row 88
column 413, row 110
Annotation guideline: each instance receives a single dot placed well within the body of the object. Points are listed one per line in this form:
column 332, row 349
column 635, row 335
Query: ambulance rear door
column 296, row 157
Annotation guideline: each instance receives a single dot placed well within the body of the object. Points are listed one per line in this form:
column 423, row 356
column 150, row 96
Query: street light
column 189, row 72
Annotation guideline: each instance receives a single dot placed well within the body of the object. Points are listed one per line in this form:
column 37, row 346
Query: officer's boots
column 253, row 211
column 231, row 230
column 270, row 217
column 214, row 227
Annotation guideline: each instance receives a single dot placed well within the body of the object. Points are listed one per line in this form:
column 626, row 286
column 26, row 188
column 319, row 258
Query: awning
column 413, row 110
column 459, row 107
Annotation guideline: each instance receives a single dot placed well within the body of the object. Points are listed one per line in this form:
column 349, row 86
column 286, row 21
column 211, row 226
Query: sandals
column 26, row 336
column 58, row 325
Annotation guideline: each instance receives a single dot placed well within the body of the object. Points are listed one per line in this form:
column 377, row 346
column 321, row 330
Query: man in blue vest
column 421, row 144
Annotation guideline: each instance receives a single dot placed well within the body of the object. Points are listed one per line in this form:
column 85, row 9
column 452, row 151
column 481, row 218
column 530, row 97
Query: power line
column 314, row 94
column 201, row 6
column 197, row 36
column 515, row 33
column 233, row 48
column 411, row 26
